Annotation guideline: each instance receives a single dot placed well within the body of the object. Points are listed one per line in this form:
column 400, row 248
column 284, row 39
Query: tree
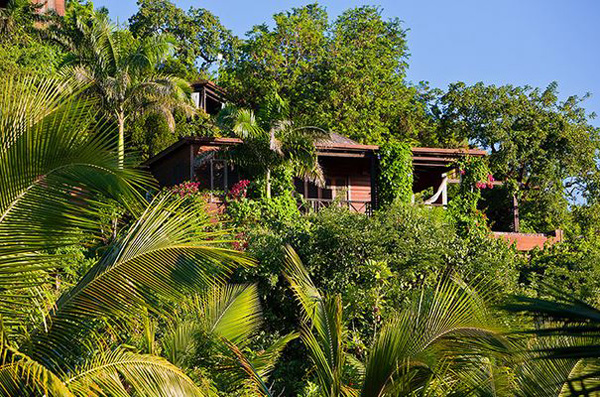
column 23, row 45
column 411, row 353
column 270, row 140
column 346, row 77
column 122, row 72
column 55, row 159
column 365, row 95
column 200, row 39
column 564, row 353
column 544, row 150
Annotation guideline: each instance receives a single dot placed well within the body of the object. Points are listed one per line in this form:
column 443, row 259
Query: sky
column 526, row 42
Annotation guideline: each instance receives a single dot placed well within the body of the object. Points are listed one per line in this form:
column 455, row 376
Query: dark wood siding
column 174, row 168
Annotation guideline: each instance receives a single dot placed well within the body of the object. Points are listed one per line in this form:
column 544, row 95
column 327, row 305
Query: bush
column 375, row 263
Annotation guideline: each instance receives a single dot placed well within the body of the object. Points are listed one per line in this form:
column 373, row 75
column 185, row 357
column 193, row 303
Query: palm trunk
column 273, row 147
column 268, row 183
column 121, row 143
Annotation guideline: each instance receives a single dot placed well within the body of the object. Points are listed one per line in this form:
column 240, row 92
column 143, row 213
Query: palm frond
column 125, row 373
column 255, row 381
column 451, row 321
column 322, row 329
column 51, row 168
column 232, row 312
column 566, row 345
column 22, row 375
column 161, row 257
column 265, row 361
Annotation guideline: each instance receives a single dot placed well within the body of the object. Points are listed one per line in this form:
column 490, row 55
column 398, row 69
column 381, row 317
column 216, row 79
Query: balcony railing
column 315, row 204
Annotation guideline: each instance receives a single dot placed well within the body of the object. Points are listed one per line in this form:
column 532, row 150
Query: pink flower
column 462, row 172
column 186, row 188
column 239, row 190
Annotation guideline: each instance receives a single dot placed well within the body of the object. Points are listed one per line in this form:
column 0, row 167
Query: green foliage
column 408, row 353
column 331, row 73
column 375, row 264
column 475, row 175
column 277, row 212
column 200, row 38
column 396, row 173
column 573, row 265
column 23, row 44
column 150, row 134
column 538, row 144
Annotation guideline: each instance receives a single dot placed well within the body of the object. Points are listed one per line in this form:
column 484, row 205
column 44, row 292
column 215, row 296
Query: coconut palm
column 226, row 317
column 50, row 166
column 447, row 331
column 270, row 140
column 123, row 72
column 54, row 159
column 564, row 352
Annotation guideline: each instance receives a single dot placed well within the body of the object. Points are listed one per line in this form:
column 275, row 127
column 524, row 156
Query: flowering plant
column 475, row 176
column 239, row 190
column 489, row 184
column 185, row 189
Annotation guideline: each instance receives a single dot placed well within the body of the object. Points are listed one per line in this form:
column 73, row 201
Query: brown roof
column 422, row 156
column 339, row 142
column 441, row 158
column 436, row 151
column 209, row 84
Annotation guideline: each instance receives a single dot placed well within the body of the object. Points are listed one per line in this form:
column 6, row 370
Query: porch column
column 374, row 174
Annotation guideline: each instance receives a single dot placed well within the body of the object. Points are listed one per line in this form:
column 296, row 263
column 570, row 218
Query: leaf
column 161, row 256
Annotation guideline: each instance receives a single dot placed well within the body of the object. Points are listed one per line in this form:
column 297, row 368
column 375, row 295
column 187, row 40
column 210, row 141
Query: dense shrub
column 375, row 263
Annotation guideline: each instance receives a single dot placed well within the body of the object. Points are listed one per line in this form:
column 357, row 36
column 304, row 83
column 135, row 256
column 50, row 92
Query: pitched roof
column 337, row 141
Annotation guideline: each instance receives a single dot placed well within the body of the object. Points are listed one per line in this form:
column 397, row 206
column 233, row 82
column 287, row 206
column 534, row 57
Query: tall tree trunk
column 121, row 144
column 268, row 183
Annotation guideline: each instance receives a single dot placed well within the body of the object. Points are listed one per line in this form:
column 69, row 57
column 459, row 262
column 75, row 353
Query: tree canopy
column 200, row 38
column 345, row 76
column 545, row 150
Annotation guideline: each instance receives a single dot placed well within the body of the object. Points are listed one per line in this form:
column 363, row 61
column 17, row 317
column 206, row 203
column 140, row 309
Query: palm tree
column 447, row 331
column 564, row 350
column 225, row 317
column 271, row 140
column 54, row 158
column 122, row 71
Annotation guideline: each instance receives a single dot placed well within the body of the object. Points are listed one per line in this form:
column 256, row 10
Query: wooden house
column 350, row 170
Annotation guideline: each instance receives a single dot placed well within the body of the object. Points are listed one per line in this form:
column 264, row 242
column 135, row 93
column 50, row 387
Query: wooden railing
column 353, row 205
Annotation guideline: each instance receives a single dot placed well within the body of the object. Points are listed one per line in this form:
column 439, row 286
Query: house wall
column 529, row 241
column 357, row 171
column 178, row 166
column 173, row 168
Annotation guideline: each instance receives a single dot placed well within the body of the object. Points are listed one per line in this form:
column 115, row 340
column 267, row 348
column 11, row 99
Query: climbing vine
column 475, row 176
column 396, row 176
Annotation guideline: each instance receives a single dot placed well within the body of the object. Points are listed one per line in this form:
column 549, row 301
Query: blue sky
column 531, row 42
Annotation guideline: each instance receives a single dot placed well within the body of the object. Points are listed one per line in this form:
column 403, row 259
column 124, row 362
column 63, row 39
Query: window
column 341, row 188
column 215, row 174
column 195, row 98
